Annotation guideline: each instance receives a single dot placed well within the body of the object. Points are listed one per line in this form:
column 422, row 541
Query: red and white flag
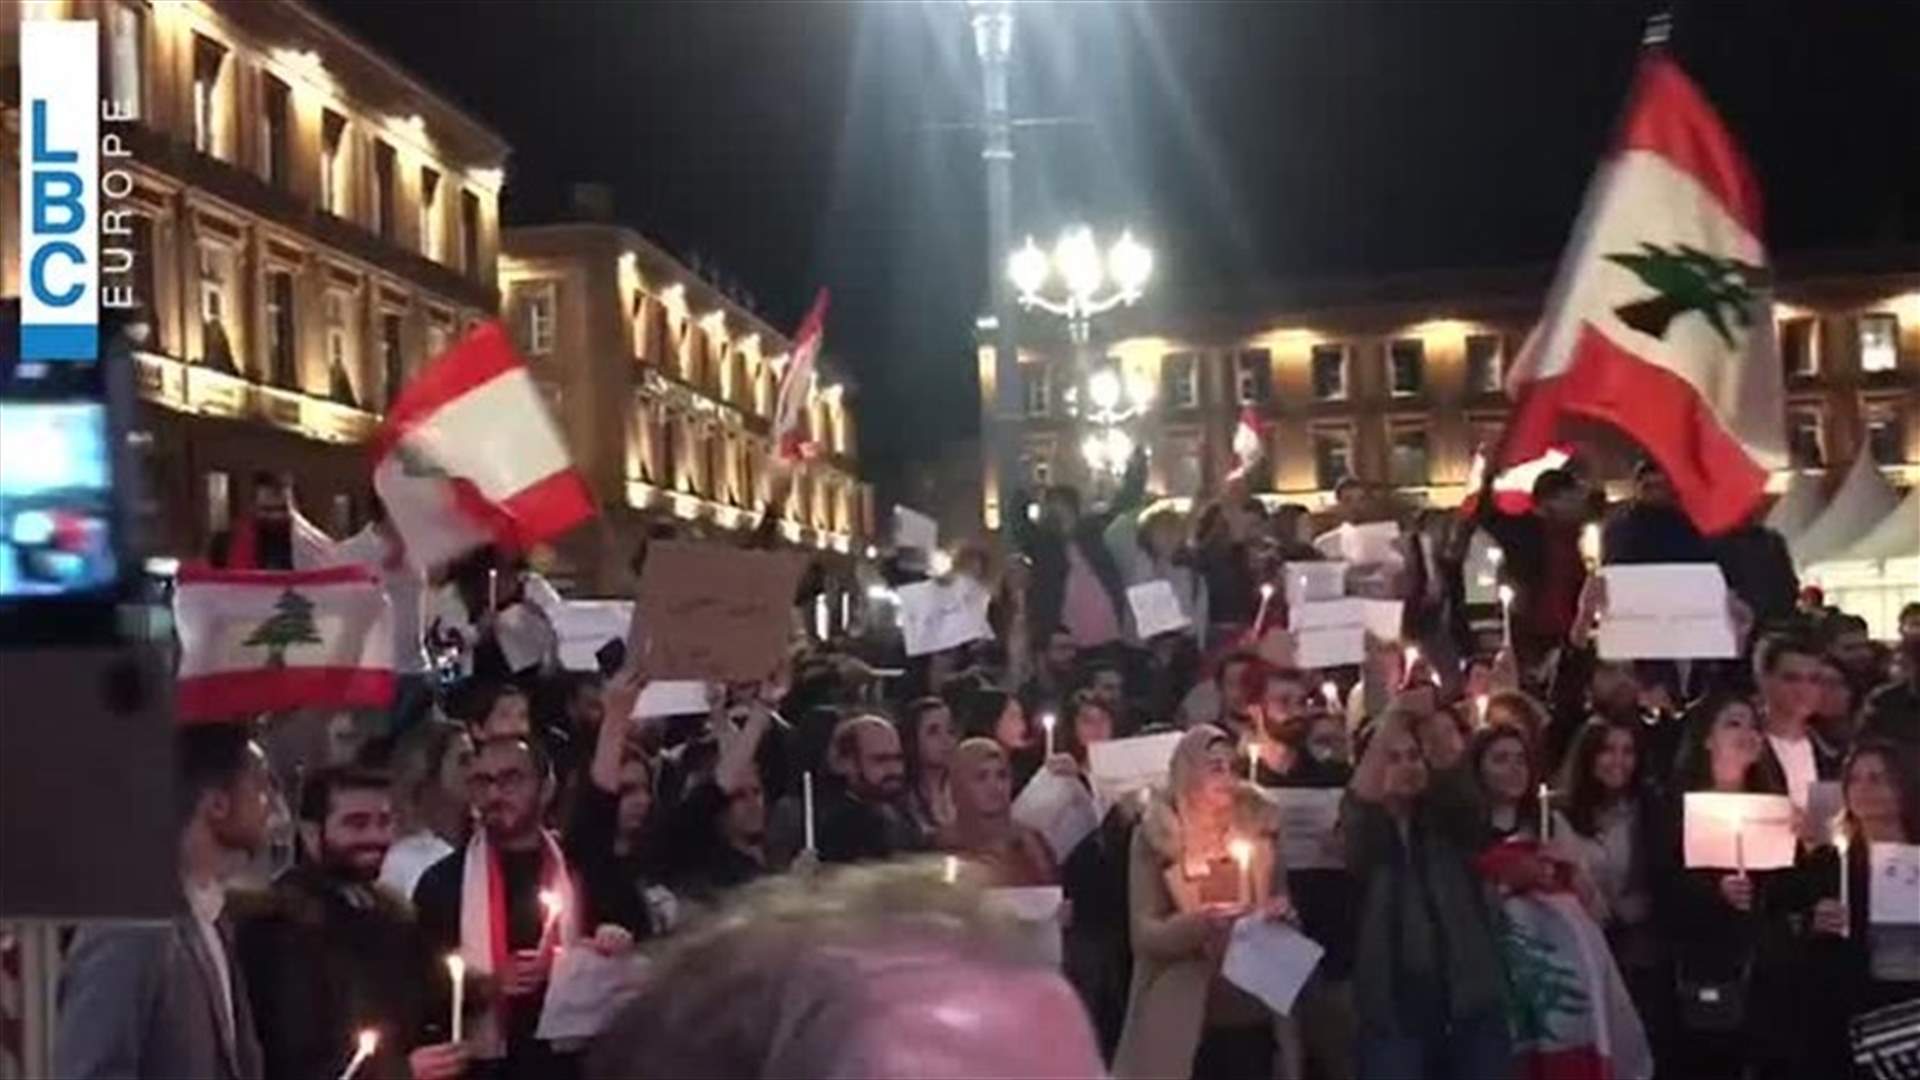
column 1660, row 321
column 254, row 641
column 1512, row 486
column 796, row 382
column 468, row 456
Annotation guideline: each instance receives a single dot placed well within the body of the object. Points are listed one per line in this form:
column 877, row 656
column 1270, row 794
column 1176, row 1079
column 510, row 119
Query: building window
column 219, row 502
column 536, row 329
column 429, row 213
column 470, row 233
column 1332, row 456
column 274, row 132
column 209, row 57
column 1181, row 379
column 280, row 330
column 1879, row 343
column 1253, row 377
column 1038, row 389
column 393, row 360
column 126, row 43
column 1407, row 458
column 1806, row 438
column 1407, row 367
column 333, row 166
column 439, row 334
column 1181, row 461
column 216, row 276
column 1329, row 372
column 1886, row 433
column 340, row 350
column 1800, row 347
column 383, row 165
column 1486, row 363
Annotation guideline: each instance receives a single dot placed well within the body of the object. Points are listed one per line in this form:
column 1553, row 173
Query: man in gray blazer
column 169, row 1000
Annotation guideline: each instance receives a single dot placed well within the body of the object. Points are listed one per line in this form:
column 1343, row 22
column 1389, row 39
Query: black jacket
column 1653, row 534
column 1048, row 550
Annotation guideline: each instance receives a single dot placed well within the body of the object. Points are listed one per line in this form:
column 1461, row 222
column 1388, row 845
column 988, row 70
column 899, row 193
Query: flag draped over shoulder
column 468, row 456
column 1660, row 322
column 254, row 641
column 796, row 382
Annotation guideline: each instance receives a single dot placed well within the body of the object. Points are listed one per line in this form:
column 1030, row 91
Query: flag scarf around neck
column 1660, row 323
column 254, row 641
column 468, row 456
column 483, row 927
column 790, row 436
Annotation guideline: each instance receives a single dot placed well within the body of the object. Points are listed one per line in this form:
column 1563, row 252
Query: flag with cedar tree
column 1660, row 322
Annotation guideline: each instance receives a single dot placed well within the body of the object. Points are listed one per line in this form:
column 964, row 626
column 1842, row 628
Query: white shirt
column 1796, row 759
column 408, row 858
column 207, row 901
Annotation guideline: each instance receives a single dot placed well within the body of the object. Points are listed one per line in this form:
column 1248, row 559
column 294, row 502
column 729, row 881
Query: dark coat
column 1048, row 592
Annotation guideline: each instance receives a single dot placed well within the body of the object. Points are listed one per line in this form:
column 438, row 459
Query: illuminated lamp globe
column 1028, row 268
column 1104, row 387
column 1130, row 263
column 1077, row 258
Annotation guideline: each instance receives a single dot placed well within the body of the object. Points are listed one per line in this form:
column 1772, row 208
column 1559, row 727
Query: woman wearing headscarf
column 983, row 829
column 1185, row 890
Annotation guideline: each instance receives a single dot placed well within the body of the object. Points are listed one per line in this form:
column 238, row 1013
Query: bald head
column 865, row 752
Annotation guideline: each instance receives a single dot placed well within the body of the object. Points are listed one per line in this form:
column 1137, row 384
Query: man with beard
column 861, row 818
column 263, row 539
column 329, row 953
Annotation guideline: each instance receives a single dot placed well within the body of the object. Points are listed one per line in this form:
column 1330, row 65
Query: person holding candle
column 984, row 833
column 1541, row 560
column 1093, row 876
column 1185, row 892
column 1860, row 966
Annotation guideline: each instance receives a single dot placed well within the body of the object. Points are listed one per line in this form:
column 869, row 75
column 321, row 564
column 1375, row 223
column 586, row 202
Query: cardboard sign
column 912, row 529
column 1893, row 884
column 584, row 626
column 1120, row 767
column 1309, row 827
column 1666, row 611
column 936, row 615
column 1734, row 832
column 1270, row 960
column 1059, row 808
column 1156, row 610
column 717, row 614
column 1307, row 581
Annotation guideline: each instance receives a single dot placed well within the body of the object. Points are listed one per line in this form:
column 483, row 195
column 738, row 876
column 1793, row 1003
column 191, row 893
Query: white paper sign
column 1362, row 545
column 1059, row 808
column 912, row 529
column 1037, row 907
column 1120, row 767
column 1727, row 831
column 585, row 990
column 1309, row 827
column 585, row 626
column 1333, row 646
column 672, row 697
column 1682, row 637
column 1666, row 611
column 1156, row 610
column 1270, row 960
column 524, row 637
column 936, row 615
column 1305, row 581
column 1893, row 884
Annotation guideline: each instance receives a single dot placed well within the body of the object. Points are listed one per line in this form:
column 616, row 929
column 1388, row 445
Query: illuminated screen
column 56, row 499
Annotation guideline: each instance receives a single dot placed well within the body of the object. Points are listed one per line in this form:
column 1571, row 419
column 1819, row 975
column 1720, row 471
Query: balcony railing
column 203, row 391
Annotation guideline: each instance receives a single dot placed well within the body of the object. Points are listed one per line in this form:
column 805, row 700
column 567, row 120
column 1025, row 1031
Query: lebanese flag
column 1513, row 486
column 468, row 456
column 796, row 382
column 1660, row 322
column 1249, row 436
column 254, row 641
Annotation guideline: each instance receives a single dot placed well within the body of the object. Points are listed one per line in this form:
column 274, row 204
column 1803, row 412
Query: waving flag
column 1512, row 487
column 796, row 382
column 1660, row 323
column 468, row 456
column 254, row 641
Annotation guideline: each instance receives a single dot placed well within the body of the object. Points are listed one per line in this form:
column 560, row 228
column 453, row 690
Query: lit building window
column 216, row 277
column 470, row 233
column 1800, row 347
column 1806, row 438
column 1329, row 372
column 340, row 350
column 219, row 501
column 126, row 43
column 1407, row 464
column 1181, row 381
column 280, row 330
column 274, row 130
column 393, row 362
column 209, row 57
column 1332, row 456
column 429, row 213
column 1879, row 343
column 439, row 333
column 1486, row 363
column 1038, row 389
column 383, row 166
column 538, row 329
column 1253, row 377
column 333, row 179
column 1886, row 433
column 1407, row 364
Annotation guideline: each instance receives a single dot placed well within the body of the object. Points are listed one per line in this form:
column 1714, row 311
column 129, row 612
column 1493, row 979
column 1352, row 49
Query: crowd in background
column 500, row 786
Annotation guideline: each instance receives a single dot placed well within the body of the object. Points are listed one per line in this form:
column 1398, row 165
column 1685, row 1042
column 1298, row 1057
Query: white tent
column 1796, row 507
column 1879, row 572
column 1896, row 537
column 1863, row 502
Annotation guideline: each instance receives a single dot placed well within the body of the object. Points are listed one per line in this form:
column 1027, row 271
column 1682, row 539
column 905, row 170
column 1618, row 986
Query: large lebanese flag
column 796, row 382
column 468, row 456
column 254, row 641
column 1660, row 321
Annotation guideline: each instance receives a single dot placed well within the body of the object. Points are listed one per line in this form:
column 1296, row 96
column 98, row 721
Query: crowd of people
column 506, row 810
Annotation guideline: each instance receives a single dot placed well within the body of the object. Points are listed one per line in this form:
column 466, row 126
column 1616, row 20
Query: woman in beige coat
column 1185, row 888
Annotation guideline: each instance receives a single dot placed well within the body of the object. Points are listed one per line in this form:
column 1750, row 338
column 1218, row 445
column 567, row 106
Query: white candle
column 1480, row 709
column 1047, row 720
column 457, row 972
column 493, row 590
column 1740, row 846
column 1253, row 761
column 1242, row 853
column 1260, row 618
column 1331, row 693
column 1506, row 615
column 555, row 906
column 951, row 874
column 806, row 799
column 368, row 1042
column 1546, row 813
column 1846, row 911
column 1590, row 545
column 822, row 627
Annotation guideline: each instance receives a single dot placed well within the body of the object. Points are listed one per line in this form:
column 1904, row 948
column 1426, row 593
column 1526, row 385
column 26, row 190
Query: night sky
column 797, row 144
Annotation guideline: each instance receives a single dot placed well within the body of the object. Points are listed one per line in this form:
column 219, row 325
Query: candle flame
column 952, row 871
column 1266, row 590
column 551, row 901
column 1331, row 692
column 1047, row 721
column 1506, row 596
column 456, row 965
column 369, row 1041
column 1241, row 851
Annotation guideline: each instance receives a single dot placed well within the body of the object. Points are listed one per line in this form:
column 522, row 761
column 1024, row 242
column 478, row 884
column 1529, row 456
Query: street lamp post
column 993, row 41
column 1094, row 283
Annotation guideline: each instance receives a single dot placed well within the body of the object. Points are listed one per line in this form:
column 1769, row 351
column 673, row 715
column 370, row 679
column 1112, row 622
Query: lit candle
column 457, row 973
column 1546, row 813
column 1260, row 618
column 1480, row 709
column 951, row 874
column 367, row 1043
column 1846, row 911
column 1047, row 720
column 1590, row 545
column 1506, row 615
column 822, row 626
column 1740, row 845
column 493, row 590
column 806, row 798
column 1412, row 656
column 552, row 903
column 1253, row 761
column 1331, row 692
column 1494, row 555
column 1242, row 853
